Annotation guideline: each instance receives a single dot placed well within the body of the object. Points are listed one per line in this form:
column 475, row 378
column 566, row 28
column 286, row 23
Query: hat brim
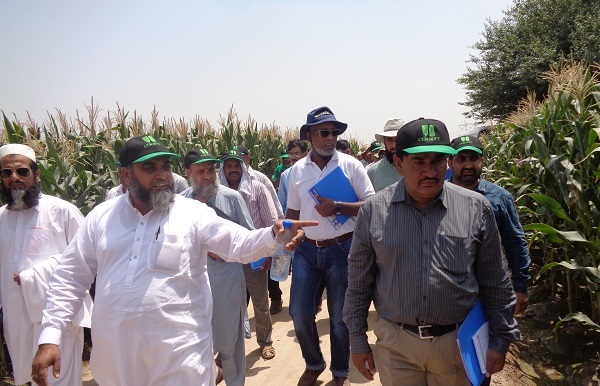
column 386, row 134
column 232, row 157
column 473, row 148
column 206, row 160
column 445, row 149
column 285, row 156
column 306, row 127
column 154, row 155
column 376, row 149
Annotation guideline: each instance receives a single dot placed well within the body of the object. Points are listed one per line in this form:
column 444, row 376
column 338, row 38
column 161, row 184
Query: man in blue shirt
column 466, row 168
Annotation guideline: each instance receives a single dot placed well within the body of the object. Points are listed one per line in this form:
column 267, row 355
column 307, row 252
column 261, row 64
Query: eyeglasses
column 21, row 172
column 326, row 133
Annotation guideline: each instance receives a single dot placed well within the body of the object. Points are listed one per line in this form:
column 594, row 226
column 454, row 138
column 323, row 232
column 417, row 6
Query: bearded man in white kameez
column 34, row 230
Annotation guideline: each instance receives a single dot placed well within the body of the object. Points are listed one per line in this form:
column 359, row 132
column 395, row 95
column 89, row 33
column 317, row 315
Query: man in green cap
column 424, row 252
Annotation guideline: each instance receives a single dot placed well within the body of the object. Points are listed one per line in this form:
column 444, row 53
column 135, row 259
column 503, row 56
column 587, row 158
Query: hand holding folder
column 471, row 339
column 337, row 187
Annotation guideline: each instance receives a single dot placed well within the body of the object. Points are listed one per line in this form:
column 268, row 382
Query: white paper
column 481, row 341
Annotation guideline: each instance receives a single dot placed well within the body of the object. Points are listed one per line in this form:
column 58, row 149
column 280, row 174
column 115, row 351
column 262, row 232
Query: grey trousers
column 257, row 285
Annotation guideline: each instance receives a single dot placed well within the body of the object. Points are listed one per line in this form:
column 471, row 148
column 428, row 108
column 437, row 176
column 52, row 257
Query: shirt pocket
column 36, row 242
column 458, row 253
column 167, row 254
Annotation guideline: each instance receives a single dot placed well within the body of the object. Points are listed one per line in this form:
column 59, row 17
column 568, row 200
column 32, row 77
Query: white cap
column 17, row 149
column 390, row 129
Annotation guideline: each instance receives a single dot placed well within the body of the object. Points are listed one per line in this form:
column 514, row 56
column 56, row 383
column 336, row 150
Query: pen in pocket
column 157, row 233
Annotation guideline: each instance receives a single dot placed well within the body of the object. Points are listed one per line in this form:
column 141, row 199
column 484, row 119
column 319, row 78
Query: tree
column 516, row 51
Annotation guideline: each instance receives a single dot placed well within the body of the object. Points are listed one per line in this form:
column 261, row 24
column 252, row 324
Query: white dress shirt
column 28, row 238
column 306, row 173
column 153, row 305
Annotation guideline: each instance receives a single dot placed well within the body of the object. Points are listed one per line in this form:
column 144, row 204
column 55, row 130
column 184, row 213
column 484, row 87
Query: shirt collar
column 335, row 156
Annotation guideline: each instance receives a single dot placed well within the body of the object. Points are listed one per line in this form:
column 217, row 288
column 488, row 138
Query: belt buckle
column 421, row 332
column 317, row 244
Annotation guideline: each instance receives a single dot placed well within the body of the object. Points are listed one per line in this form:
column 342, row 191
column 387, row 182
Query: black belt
column 329, row 242
column 430, row 331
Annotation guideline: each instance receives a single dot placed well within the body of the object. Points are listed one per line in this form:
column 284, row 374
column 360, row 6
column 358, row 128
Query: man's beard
column 153, row 199
column 19, row 199
column 389, row 155
column 323, row 153
column 205, row 193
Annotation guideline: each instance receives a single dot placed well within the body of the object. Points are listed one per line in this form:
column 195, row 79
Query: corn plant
column 548, row 154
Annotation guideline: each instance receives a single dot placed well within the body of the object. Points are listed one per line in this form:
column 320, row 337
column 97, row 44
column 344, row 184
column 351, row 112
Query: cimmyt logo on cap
column 465, row 139
column 428, row 133
column 150, row 141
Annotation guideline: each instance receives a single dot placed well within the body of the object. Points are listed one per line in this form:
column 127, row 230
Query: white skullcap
column 17, row 149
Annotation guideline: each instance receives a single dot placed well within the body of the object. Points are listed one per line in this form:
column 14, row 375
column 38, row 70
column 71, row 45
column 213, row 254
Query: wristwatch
column 338, row 208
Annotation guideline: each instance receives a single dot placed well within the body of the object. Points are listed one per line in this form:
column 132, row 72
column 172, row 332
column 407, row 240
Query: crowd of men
column 171, row 262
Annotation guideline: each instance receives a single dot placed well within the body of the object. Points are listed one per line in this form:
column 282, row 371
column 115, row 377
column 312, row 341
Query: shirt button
column 425, row 269
column 138, row 239
column 142, row 223
column 135, row 257
column 425, row 242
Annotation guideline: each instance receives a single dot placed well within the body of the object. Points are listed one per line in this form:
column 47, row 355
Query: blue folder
column 336, row 186
column 469, row 327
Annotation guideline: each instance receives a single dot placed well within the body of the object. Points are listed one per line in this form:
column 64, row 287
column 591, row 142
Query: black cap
column 424, row 136
column 375, row 146
column 232, row 154
column 143, row 148
column 197, row 157
column 467, row 142
column 318, row 116
column 243, row 150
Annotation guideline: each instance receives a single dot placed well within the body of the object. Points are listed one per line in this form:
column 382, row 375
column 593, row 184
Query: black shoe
column 276, row 306
column 309, row 377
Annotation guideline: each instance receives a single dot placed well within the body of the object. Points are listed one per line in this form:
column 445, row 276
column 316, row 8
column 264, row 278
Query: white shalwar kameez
column 28, row 238
column 153, row 305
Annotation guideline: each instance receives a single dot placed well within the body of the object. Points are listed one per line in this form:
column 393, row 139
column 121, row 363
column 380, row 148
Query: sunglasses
column 326, row 133
column 21, row 172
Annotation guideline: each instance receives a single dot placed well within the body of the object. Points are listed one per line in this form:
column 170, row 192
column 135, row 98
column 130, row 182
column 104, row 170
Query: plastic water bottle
column 282, row 258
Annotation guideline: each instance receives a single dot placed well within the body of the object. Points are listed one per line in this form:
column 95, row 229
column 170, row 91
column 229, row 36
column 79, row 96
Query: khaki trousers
column 404, row 359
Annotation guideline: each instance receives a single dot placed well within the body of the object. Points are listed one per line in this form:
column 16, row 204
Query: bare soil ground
column 570, row 357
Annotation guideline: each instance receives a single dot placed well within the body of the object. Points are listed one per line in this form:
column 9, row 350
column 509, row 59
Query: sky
column 369, row 61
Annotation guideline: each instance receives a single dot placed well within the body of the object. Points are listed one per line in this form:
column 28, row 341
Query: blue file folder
column 336, row 186
column 470, row 326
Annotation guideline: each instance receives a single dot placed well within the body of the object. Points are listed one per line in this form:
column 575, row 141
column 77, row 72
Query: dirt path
column 287, row 366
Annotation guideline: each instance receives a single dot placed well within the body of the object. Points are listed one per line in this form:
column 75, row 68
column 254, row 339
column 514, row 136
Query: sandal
column 267, row 352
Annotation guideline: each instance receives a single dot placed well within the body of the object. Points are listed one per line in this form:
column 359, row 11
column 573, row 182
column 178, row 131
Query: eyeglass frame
column 3, row 171
column 334, row 133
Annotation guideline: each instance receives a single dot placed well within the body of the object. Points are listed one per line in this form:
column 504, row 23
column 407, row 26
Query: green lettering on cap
column 150, row 141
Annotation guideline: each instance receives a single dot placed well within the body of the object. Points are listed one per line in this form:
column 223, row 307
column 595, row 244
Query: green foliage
column 548, row 155
column 77, row 159
column 516, row 51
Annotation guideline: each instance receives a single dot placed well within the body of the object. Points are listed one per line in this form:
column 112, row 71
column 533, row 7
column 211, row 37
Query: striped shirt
column 428, row 265
column 260, row 205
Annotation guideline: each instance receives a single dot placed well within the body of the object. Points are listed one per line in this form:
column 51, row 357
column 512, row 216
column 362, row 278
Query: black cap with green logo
column 467, row 142
column 197, row 157
column 143, row 148
column 424, row 136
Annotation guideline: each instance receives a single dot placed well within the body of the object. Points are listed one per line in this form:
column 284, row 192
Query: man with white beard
column 147, row 250
column 227, row 282
column 34, row 230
